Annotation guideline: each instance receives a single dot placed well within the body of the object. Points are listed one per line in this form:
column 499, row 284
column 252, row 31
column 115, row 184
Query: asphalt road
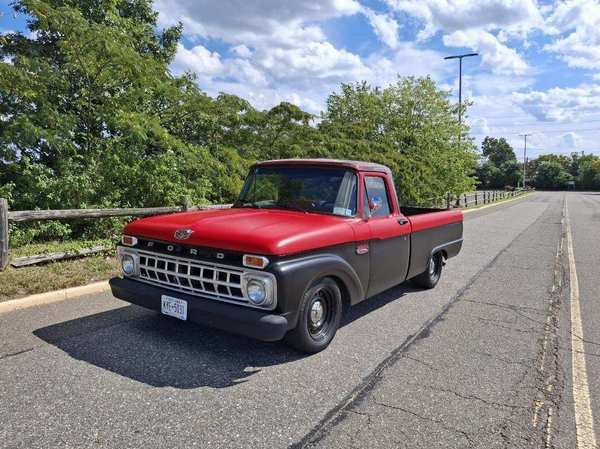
column 483, row 360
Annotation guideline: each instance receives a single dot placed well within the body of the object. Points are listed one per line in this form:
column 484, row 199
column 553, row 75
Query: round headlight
column 128, row 265
column 256, row 291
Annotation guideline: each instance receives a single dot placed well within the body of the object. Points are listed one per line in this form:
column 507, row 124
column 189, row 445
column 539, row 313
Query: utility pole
column 524, row 156
column 460, row 58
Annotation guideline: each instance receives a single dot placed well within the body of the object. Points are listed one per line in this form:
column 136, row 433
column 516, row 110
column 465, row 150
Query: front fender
column 294, row 276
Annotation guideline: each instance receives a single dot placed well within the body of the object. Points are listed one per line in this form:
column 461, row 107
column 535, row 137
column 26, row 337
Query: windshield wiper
column 249, row 204
column 290, row 206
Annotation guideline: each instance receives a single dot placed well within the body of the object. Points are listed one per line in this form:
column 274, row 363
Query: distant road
column 484, row 360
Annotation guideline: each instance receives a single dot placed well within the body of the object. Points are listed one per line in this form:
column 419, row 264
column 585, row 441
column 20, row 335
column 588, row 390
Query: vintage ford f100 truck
column 305, row 240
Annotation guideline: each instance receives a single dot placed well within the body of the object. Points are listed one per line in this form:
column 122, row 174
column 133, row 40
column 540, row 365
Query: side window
column 377, row 192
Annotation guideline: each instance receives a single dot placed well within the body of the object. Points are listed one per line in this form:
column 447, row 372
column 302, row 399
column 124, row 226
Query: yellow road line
column 584, row 420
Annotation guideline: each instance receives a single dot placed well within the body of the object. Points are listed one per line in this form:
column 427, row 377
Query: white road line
column 584, row 420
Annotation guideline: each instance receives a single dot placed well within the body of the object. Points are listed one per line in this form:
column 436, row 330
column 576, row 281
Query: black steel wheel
column 318, row 318
column 431, row 276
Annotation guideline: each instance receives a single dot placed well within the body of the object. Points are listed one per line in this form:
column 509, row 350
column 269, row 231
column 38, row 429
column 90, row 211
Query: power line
column 491, row 122
column 537, row 131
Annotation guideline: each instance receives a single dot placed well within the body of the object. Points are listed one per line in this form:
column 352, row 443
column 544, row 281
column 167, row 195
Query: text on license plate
column 174, row 307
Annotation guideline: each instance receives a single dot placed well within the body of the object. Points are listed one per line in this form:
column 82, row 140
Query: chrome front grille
column 192, row 277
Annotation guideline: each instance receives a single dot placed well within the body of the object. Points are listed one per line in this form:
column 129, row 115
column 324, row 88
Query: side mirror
column 375, row 203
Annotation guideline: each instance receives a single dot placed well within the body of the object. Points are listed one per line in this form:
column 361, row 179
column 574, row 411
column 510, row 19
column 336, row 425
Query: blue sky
column 538, row 70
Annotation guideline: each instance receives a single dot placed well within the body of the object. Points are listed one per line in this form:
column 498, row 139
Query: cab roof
column 355, row 165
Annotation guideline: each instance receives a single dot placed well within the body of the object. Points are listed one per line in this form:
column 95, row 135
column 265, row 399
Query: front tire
column 431, row 276
column 318, row 318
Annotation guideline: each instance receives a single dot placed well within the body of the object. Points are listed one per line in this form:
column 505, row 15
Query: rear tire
column 431, row 276
column 319, row 317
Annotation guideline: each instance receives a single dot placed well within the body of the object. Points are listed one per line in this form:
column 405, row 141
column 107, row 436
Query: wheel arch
column 346, row 298
column 449, row 249
column 296, row 275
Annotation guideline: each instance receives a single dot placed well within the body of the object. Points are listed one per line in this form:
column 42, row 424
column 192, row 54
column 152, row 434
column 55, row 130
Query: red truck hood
column 258, row 231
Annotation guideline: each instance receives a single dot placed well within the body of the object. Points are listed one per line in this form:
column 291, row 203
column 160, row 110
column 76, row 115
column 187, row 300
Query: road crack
column 429, row 419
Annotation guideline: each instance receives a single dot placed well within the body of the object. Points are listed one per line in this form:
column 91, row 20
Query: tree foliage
column 409, row 126
column 555, row 172
column 551, row 175
column 90, row 116
column 499, row 167
column 497, row 151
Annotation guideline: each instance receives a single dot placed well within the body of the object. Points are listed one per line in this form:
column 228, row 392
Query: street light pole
column 524, row 156
column 460, row 58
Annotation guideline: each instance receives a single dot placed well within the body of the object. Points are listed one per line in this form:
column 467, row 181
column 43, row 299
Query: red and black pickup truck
column 305, row 240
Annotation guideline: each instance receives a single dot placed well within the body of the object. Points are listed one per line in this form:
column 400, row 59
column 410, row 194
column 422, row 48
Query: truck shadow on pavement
column 164, row 352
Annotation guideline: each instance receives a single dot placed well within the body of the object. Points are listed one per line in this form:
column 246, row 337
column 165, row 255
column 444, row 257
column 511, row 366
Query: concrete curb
column 53, row 296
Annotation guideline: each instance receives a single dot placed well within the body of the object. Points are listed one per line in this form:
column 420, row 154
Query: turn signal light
column 128, row 240
column 255, row 261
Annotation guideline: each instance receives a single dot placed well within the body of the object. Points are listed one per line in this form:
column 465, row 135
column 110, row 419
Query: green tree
column 588, row 176
column 551, row 175
column 497, row 151
column 411, row 126
column 512, row 173
column 81, row 126
column 490, row 176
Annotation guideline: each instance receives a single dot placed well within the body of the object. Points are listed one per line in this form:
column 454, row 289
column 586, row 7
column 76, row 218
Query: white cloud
column 513, row 16
column 485, row 26
column 486, row 84
column 242, row 51
column 248, row 21
column 315, row 60
column 408, row 60
column 577, row 26
column 384, row 26
column 571, row 140
column 480, row 126
column 278, row 52
column 199, row 60
column 245, row 72
column 560, row 104
column 495, row 55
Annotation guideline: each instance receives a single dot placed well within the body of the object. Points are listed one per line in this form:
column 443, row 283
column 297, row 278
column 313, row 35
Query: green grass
column 55, row 247
column 18, row 282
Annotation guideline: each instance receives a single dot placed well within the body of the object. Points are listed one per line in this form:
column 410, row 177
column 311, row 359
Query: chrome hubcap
column 431, row 266
column 316, row 314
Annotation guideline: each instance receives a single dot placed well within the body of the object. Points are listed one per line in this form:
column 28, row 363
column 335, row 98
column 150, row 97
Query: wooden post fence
column 7, row 216
column 4, row 251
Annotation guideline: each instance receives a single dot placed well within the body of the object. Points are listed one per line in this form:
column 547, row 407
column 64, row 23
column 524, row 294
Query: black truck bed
column 413, row 210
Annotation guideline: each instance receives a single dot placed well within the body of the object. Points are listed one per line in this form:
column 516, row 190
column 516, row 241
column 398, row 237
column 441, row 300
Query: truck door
column 389, row 244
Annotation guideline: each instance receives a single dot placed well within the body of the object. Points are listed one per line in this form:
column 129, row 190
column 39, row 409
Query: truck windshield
column 306, row 189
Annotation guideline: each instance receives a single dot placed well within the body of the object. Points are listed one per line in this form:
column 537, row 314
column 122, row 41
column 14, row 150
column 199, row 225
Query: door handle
column 402, row 221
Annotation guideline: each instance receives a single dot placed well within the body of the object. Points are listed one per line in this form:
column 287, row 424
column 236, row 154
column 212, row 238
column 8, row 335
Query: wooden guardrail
column 7, row 216
column 480, row 197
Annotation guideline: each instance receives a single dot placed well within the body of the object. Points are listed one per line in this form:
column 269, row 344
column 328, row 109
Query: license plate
column 174, row 307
